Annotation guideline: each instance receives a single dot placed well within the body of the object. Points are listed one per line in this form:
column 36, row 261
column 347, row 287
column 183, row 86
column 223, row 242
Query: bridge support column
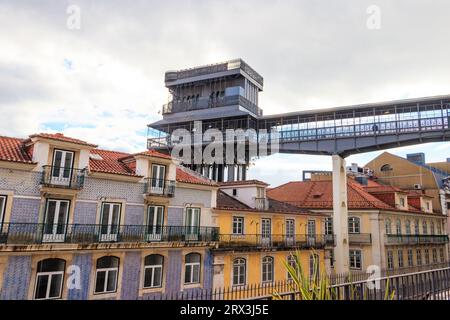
column 340, row 215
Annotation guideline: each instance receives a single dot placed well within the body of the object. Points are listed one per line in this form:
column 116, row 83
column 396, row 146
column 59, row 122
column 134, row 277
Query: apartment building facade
column 388, row 227
column 259, row 235
column 77, row 222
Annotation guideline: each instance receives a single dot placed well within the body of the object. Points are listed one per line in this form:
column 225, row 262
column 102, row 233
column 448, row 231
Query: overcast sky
column 104, row 82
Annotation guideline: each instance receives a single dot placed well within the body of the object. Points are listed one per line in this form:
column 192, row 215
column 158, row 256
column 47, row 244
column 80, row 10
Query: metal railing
column 280, row 241
column 160, row 187
column 63, row 177
column 397, row 239
column 425, row 285
column 360, row 238
column 38, row 233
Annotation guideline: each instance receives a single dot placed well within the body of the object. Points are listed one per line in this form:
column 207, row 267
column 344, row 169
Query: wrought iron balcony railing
column 360, row 238
column 63, row 177
column 38, row 233
column 160, row 187
column 416, row 239
column 280, row 241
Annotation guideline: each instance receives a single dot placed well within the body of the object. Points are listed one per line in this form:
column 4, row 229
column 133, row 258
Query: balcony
column 360, row 238
column 38, row 233
column 280, row 241
column 401, row 239
column 261, row 203
column 63, row 177
column 160, row 187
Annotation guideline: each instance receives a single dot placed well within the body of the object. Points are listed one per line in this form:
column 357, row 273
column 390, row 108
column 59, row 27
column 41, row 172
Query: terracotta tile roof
column 243, row 183
column 383, row 189
column 12, row 149
column 153, row 153
column 110, row 162
column 186, row 175
column 225, row 201
column 61, row 137
column 319, row 195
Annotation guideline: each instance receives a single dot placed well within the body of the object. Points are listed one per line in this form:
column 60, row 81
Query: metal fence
column 431, row 284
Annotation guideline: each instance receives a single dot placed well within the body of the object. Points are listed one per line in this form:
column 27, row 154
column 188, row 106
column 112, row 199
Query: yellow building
column 258, row 235
column 388, row 227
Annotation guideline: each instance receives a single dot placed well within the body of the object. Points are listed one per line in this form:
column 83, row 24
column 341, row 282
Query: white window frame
column 238, row 225
column 55, row 237
column 419, row 260
column 60, row 179
column 427, row 256
column 241, row 265
column 328, row 225
column 153, row 267
column 107, row 275
column 109, row 235
column 2, row 209
column 424, row 227
column 398, row 227
column 388, row 226
column 291, row 260
column 400, row 258
column 354, row 225
column 390, row 259
column 267, row 262
column 354, row 254
column 155, row 236
column 191, row 266
column 410, row 256
column 49, row 281
column 408, row 227
column 434, row 255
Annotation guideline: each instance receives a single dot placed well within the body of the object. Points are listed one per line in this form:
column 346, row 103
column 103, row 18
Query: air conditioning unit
column 417, row 186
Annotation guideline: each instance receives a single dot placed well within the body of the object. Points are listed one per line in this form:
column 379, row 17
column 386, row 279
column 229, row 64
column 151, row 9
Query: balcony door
column 290, row 231
column 55, row 220
column 155, row 220
column 192, row 223
column 158, row 176
column 109, row 221
column 61, row 172
column 266, row 231
column 311, row 232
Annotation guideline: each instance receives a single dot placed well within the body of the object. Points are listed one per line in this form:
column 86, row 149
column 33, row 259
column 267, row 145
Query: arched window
column 267, row 269
column 424, row 227
column 192, row 268
column 398, row 227
column 107, row 270
column 153, row 271
column 388, row 226
column 313, row 266
column 416, row 227
column 386, row 167
column 408, row 227
column 239, row 271
column 49, row 279
column 354, row 225
column 293, row 263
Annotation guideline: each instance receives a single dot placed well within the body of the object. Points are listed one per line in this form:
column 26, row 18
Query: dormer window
column 62, row 167
column 157, row 180
column 402, row 202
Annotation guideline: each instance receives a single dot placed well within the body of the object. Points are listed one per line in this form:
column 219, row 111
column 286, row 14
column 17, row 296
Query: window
column 354, row 225
column 238, row 225
column 435, row 257
column 424, row 227
column 355, row 259
column 390, row 260
column 192, row 268
column 2, row 209
column 314, row 266
column 427, row 257
column 192, row 220
column 109, row 221
column 155, row 222
column 290, row 229
column 62, row 167
column 408, row 227
column 432, row 230
column 398, row 227
column 292, row 262
column 419, row 257
column 416, row 227
column 428, row 206
column 55, row 220
column 107, row 270
column 153, row 271
column 329, row 225
column 235, row 192
column 402, row 202
column 400, row 258
column 439, row 228
column 49, row 279
column 267, row 269
column 441, row 254
column 385, row 167
column 410, row 258
column 388, row 226
column 239, row 272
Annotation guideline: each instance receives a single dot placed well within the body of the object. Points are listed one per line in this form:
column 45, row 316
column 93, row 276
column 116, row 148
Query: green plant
column 317, row 286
